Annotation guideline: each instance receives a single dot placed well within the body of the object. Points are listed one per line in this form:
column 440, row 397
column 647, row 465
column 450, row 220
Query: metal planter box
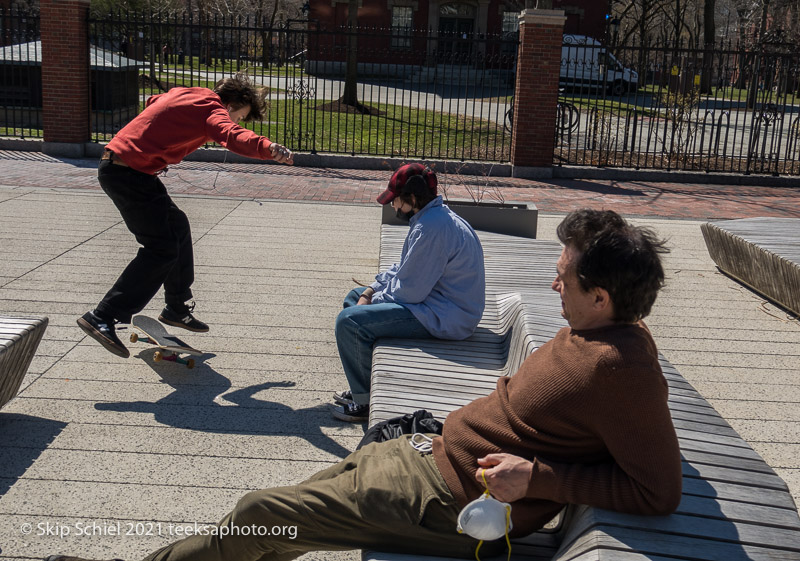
column 512, row 218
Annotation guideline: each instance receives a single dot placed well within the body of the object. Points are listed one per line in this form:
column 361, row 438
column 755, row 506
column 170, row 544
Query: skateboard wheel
column 158, row 356
column 190, row 363
column 134, row 337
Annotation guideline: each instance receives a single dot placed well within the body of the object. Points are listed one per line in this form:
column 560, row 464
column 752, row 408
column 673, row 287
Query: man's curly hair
column 614, row 255
column 238, row 90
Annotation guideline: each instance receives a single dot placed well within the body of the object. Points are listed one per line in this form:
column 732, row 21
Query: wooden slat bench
column 762, row 253
column 19, row 339
column 734, row 506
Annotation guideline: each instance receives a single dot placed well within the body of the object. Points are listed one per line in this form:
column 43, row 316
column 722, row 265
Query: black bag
column 418, row 421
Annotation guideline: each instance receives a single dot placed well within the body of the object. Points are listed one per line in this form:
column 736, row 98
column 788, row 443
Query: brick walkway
column 259, row 181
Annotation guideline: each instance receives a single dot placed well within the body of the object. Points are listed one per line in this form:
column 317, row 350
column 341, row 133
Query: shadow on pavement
column 23, row 438
column 197, row 403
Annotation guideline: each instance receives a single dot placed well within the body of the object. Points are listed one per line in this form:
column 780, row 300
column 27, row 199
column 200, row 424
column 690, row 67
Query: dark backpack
column 418, row 421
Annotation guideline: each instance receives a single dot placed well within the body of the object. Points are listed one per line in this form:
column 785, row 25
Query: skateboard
column 169, row 347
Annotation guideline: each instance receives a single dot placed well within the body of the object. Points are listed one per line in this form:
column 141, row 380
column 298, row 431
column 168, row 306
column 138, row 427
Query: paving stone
column 704, row 333
column 20, row 430
column 736, row 409
column 236, row 378
column 746, row 375
column 138, row 468
column 681, row 357
column 761, row 391
column 207, row 418
column 178, row 389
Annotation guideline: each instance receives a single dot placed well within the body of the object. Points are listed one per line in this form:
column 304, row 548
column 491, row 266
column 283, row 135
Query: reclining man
column 584, row 421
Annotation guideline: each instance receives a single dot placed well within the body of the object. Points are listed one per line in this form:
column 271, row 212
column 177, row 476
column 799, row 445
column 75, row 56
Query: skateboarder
column 172, row 125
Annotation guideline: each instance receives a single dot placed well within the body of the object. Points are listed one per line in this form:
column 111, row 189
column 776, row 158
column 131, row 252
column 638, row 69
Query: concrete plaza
column 95, row 444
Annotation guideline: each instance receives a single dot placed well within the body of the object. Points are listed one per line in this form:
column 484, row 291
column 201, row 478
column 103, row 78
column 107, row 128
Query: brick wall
column 65, row 70
column 538, row 66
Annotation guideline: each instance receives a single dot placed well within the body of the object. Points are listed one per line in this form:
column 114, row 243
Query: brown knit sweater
column 589, row 409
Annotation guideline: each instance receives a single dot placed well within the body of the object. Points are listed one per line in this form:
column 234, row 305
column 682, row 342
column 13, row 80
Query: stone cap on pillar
column 545, row 17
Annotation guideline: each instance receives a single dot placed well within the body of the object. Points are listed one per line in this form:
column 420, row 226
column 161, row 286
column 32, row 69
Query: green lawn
column 226, row 67
column 396, row 131
column 734, row 94
column 26, row 133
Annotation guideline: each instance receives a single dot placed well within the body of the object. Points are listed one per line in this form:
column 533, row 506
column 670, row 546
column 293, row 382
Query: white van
column 585, row 63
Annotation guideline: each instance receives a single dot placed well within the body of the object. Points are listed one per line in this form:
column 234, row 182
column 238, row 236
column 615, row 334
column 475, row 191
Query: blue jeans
column 357, row 329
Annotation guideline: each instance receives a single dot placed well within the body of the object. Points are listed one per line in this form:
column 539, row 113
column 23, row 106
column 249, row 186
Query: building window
column 457, row 11
column 401, row 27
column 510, row 24
column 510, row 33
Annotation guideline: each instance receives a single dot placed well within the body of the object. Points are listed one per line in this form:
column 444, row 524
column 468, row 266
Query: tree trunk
column 709, row 35
column 350, row 95
column 265, row 39
column 741, row 79
column 643, row 41
column 269, row 36
column 753, row 93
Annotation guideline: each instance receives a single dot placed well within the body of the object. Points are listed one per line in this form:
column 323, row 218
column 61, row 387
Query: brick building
column 584, row 17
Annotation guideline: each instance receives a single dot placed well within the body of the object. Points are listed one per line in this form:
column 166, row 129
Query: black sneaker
column 103, row 332
column 351, row 412
column 343, row 398
column 183, row 319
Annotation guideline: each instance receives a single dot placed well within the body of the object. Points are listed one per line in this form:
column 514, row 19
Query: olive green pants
column 386, row 496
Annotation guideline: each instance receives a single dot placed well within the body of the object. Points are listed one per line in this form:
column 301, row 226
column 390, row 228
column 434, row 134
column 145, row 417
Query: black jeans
column 163, row 230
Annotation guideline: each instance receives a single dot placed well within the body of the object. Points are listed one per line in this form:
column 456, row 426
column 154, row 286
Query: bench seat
column 19, row 339
column 762, row 253
column 734, row 506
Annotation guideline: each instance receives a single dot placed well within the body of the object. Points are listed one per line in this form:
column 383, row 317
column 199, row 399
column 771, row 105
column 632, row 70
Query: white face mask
column 485, row 518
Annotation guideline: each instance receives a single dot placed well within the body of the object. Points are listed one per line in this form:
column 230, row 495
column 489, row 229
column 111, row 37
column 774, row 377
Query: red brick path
column 260, row 181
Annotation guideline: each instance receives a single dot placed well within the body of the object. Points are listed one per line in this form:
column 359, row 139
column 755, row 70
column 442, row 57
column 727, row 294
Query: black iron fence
column 20, row 75
column 722, row 109
column 416, row 94
column 434, row 94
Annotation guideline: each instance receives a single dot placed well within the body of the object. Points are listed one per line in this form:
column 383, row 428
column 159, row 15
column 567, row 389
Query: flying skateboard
column 169, row 347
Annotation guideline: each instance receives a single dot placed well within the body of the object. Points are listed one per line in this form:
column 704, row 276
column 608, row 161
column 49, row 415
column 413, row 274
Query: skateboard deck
column 156, row 334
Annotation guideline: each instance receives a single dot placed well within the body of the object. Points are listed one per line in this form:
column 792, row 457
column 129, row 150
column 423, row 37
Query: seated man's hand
column 366, row 297
column 507, row 476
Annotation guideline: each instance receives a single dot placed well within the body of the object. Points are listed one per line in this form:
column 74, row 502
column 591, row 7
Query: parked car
column 586, row 63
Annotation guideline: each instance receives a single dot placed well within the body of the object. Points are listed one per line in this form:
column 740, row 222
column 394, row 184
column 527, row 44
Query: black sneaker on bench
column 343, row 397
column 351, row 412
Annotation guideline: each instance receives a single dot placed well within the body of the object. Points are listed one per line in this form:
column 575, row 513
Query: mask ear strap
column 485, row 483
column 477, row 549
column 508, row 524
column 508, row 518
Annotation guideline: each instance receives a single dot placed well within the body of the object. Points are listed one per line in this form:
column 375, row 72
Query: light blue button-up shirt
column 440, row 277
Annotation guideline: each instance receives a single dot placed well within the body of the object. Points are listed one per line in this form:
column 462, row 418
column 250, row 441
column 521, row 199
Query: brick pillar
column 65, row 76
column 538, row 65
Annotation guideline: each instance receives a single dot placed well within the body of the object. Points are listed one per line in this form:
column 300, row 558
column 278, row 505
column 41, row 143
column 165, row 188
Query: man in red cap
column 437, row 289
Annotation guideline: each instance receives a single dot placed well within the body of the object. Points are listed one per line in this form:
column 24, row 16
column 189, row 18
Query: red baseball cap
column 401, row 175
